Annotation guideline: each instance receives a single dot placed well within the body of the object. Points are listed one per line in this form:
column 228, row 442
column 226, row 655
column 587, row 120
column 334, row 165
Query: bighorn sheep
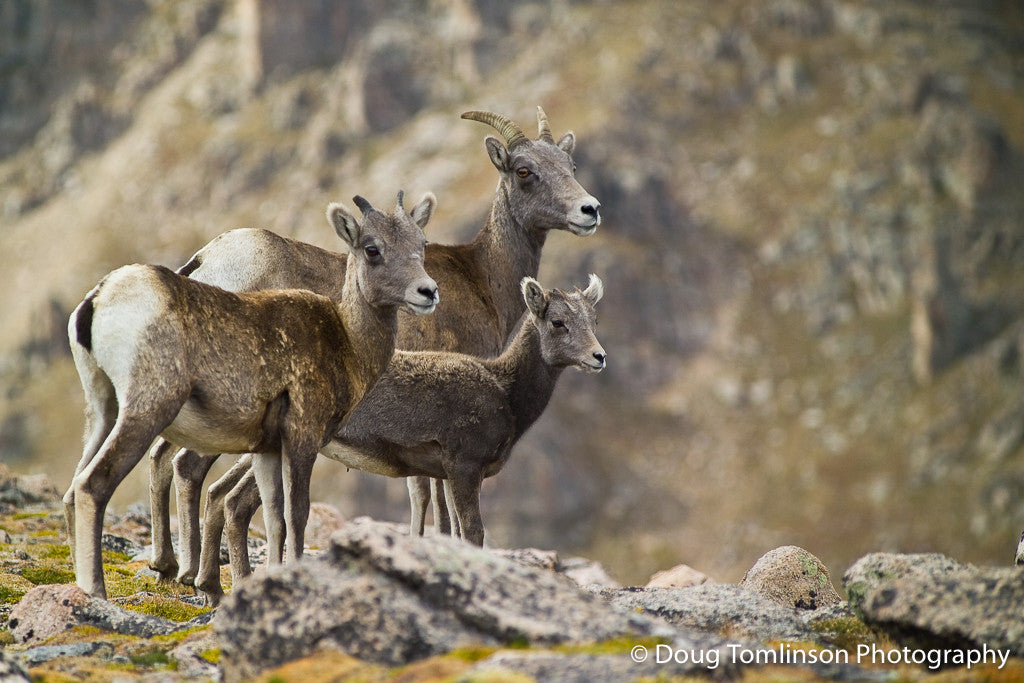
column 479, row 408
column 536, row 193
column 271, row 372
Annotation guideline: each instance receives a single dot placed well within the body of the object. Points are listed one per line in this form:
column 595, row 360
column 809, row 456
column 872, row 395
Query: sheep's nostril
column 590, row 210
column 428, row 292
column 600, row 357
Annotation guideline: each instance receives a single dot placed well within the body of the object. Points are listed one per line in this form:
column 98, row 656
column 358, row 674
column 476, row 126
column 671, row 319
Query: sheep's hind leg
column 121, row 451
column 207, row 579
column 161, row 478
column 240, row 507
column 190, row 470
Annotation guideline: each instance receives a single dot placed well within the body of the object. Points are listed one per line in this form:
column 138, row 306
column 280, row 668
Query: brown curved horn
column 512, row 133
column 543, row 127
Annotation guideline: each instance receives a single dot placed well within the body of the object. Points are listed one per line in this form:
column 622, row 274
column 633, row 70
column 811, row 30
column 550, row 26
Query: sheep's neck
column 511, row 251
column 371, row 331
column 529, row 380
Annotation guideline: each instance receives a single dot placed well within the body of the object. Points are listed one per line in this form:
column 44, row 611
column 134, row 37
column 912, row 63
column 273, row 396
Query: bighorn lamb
column 479, row 408
column 536, row 193
column 272, row 372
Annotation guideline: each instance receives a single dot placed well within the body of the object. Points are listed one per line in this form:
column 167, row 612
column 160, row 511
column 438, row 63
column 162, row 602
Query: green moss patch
column 13, row 587
column 48, row 573
column 166, row 607
column 56, row 552
column 845, row 632
column 615, row 646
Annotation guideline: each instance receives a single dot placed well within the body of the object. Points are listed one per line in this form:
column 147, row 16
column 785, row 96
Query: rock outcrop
column 930, row 600
column 386, row 597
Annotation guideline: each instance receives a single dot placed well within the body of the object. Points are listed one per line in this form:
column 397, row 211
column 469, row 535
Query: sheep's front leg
column 444, row 515
column 449, row 496
column 298, row 470
column 207, row 580
column 267, row 468
column 190, row 470
column 465, row 488
column 419, row 499
column 161, row 477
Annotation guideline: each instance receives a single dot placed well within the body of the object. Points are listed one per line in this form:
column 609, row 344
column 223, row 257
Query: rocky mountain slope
column 812, row 240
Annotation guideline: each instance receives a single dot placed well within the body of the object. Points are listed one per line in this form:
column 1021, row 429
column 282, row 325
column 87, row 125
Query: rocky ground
column 374, row 604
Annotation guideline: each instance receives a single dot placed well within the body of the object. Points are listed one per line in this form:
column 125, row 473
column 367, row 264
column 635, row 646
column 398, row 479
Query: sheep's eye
column 522, row 172
column 372, row 251
column 574, row 169
column 558, row 323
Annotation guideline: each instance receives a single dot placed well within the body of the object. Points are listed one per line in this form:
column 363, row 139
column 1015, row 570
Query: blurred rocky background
column 812, row 246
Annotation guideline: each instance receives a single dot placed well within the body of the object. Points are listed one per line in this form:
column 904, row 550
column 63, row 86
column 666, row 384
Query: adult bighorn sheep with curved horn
column 270, row 372
column 537, row 192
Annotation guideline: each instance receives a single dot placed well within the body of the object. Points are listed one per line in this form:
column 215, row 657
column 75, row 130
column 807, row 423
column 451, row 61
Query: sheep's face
column 538, row 177
column 388, row 248
column 540, row 182
column 566, row 323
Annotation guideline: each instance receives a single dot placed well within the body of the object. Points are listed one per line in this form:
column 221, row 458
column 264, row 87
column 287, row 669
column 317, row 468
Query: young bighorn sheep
column 271, row 373
column 479, row 408
column 536, row 193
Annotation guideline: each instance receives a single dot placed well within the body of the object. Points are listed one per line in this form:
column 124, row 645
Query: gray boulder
column 383, row 596
column 792, row 577
column 930, row 600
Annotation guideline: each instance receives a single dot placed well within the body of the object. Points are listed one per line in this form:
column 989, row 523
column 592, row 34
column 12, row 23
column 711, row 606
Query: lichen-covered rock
column 928, row 600
column 385, row 597
column 38, row 655
column 50, row 609
column 792, row 577
column 716, row 608
column 531, row 557
column 680, row 576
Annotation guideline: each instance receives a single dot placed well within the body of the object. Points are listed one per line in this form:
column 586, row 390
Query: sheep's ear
column 568, row 143
column 536, row 299
column 422, row 212
column 497, row 152
column 345, row 224
column 594, row 290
